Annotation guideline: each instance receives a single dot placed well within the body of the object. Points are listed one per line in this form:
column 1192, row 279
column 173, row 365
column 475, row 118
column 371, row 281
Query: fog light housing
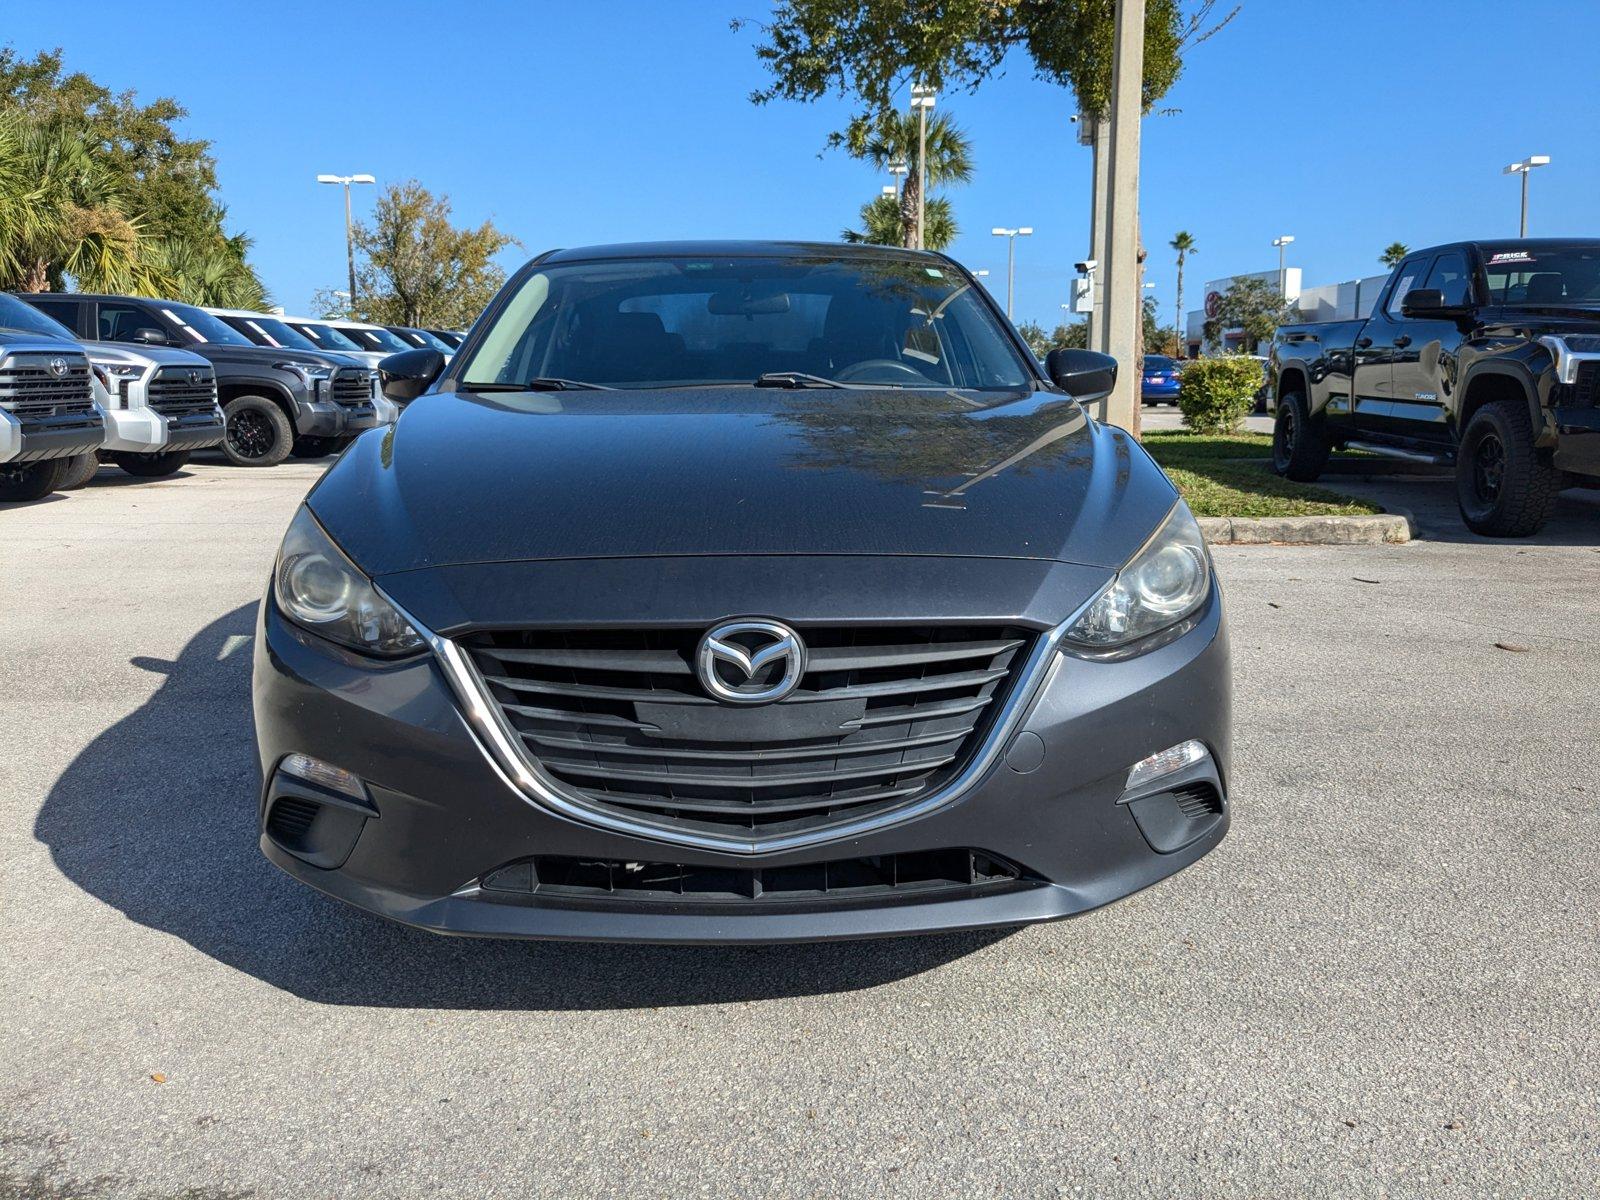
column 323, row 774
column 1166, row 762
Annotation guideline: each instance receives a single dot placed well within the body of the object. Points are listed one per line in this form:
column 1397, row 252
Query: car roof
column 734, row 249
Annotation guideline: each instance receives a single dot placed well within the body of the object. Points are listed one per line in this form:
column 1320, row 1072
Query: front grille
column 883, row 716
column 875, row 878
column 1586, row 391
column 352, row 386
column 183, row 391
column 29, row 388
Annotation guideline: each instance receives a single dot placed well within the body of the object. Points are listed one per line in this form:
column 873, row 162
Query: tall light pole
column 899, row 168
column 1524, row 168
column 922, row 99
column 1011, row 236
column 349, row 242
column 1281, row 243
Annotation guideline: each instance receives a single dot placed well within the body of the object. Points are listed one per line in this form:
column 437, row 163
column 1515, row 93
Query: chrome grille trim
column 502, row 746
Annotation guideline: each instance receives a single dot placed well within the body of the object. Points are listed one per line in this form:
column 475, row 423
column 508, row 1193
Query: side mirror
column 1429, row 302
column 1087, row 374
column 406, row 375
column 145, row 335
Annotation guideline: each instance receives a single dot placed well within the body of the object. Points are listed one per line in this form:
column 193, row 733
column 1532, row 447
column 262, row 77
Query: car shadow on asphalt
column 1431, row 502
column 157, row 818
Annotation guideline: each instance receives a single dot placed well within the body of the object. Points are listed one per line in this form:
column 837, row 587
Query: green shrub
column 1216, row 394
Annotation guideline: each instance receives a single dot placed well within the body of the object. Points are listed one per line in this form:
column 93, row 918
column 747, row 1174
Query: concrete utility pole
column 1123, row 318
column 1094, row 133
column 922, row 99
column 1283, row 278
column 1525, row 168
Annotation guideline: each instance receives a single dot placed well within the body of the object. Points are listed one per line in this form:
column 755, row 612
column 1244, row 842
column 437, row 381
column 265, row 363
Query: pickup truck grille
column 882, row 717
column 30, row 388
column 183, row 391
column 352, row 386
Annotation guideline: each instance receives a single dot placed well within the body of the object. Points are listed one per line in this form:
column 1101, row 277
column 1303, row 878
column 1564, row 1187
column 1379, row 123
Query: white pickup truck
column 160, row 405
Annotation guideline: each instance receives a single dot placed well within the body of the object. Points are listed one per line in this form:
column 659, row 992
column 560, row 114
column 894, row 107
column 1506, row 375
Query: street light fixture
column 899, row 168
column 1280, row 243
column 1011, row 236
column 922, row 99
column 1524, row 168
column 349, row 242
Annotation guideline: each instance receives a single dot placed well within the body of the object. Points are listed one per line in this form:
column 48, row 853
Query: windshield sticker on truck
column 1509, row 256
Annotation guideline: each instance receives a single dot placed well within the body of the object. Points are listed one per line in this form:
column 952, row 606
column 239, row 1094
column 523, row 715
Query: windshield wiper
column 795, row 379
column 542, row 384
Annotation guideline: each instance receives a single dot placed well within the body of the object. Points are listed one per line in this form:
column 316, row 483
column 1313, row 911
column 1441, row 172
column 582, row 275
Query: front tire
column 151, row 466
column 1300, row 445
column 1506, row 487
column 31, row 481
column 81, row 468
column 259, row 435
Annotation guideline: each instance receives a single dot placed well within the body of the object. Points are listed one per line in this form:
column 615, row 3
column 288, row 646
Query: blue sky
column 1347, row 125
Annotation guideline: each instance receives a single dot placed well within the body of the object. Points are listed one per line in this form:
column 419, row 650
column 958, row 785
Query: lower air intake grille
column 845, row 879
column 1586, row 392
column 882, row 717
column 1198, row 800
column 290, row 818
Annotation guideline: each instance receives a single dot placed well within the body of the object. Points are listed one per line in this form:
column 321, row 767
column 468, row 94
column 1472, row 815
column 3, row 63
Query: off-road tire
column 1506, row 486
column 259, row 435
column 151, row 466
column 1300, row 444
column 80, row 469
column 30, row 481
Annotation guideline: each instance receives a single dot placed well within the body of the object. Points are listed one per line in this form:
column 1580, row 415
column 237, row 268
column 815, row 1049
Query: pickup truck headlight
column 1166, row 581
column 309, row 375
column 318, row 588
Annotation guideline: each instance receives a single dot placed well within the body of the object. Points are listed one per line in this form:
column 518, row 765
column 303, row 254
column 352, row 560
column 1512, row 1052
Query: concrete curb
column 1383, row 528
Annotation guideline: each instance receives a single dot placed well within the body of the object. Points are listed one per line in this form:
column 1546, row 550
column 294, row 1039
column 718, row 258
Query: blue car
column 1159, row 383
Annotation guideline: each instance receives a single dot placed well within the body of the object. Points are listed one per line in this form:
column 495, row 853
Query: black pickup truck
column 1484, row 355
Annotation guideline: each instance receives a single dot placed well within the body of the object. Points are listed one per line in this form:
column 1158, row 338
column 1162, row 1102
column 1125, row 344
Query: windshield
column 201, row 326
column 1542, row 274
column 883, row 321
column 23, row 317
column 432, row 341
column 326, row 337
column 376, row 339
column 283, row 334
column 1159, row 362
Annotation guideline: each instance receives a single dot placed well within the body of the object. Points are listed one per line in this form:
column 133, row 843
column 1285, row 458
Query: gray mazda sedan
column 741, row 592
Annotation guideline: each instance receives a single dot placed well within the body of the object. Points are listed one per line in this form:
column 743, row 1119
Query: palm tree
column 1183, row 243
column 883, row 224
column 1393, row 253
column 894, row 136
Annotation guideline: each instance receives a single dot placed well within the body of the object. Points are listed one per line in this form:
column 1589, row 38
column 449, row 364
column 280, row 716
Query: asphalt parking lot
column 1385, row 982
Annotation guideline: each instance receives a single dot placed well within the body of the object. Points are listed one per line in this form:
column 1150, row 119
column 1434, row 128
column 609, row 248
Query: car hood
column 161, row 356
column 505, row 477
column 218, row 352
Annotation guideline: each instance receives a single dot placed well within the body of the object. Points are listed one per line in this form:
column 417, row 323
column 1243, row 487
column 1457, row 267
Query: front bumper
column 324, row 418
column 38, row 439
column 440, row 816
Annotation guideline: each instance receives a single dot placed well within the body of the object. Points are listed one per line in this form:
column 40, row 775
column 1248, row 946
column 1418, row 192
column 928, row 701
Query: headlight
column 1167, row 580
column 317, row 587
column 308, row 374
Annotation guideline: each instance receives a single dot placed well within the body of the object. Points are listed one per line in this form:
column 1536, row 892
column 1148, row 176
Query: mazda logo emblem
column 750, row 661
column 58, row 367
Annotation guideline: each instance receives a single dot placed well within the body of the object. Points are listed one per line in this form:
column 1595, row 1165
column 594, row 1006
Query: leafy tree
column 145, row 196
column 883, row 224
column 871, row 49
column 894, row 136
column 1253, row 305
column 420, row 269
column 1062, row 337
column 1183, row 242
column 1393, row 253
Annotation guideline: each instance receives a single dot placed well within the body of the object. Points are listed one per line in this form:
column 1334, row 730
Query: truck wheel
column 151, row 466
column 1300, row 446
column 31, row 481
column 314, row 447
column 259, row 435
column 1505, row 485
column 80, row 469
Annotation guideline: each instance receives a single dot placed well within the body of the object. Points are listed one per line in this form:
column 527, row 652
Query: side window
column 64, row 311
column 1451, row 277
column 118, row 322
column 1407, row 277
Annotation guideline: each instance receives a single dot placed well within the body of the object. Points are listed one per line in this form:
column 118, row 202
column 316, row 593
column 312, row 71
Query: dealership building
column 1325, row 302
